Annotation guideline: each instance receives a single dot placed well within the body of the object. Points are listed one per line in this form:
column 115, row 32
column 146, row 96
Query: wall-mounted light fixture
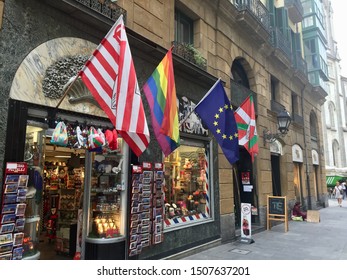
column 283, row 120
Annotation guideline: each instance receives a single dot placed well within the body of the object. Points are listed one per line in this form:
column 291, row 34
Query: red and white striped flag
column 110, row 76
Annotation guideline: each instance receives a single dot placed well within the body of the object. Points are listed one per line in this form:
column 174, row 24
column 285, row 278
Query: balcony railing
column 239, row 93
column 299, row 63
column 105, row 7
column 279, row 41
column 189, row 53
column 256, row 8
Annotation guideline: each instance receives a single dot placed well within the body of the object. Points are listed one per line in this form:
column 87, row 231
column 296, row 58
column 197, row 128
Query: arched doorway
column 244, row 181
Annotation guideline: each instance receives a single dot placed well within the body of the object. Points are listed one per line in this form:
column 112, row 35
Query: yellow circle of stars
column 215, row 123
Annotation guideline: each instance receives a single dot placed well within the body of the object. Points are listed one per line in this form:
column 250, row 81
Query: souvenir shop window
column 186, row 184
column 107, row 193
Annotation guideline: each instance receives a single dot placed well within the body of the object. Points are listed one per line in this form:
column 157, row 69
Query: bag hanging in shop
column 59, row 136
column 95, row 140
column 112, row 139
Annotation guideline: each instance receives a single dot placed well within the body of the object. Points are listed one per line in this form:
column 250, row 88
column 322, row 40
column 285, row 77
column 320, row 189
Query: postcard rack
column 147, row 201
column 13, row 208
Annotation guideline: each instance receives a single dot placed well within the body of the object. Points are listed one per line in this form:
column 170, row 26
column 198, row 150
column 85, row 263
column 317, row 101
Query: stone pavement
column 326, row 240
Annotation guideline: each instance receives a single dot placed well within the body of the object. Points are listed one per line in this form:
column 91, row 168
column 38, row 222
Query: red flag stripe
column 110, row 76
column 100, row 95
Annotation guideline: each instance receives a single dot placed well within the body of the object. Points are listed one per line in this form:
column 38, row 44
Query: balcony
column 189, row 53
column 239, row 93
column 104, row 7
column 276, row 106
column 299, row 63
column 254, row 19
column 295, row 10
column 281, row 43
column 297, row 119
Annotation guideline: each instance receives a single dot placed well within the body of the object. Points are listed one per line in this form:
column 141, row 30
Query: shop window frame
column 190, row 220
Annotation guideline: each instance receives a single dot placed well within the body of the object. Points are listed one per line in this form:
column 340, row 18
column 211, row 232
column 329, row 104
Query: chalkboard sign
column 277, row 210
column 277, row 205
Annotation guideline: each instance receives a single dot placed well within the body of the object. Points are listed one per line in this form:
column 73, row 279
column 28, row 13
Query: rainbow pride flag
column 160, row 92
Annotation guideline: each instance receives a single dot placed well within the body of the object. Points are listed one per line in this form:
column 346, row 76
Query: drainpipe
column 309, row 202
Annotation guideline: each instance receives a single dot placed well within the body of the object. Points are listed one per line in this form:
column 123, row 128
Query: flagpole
column 67, row 90
column 184, row 120
column 98, row 47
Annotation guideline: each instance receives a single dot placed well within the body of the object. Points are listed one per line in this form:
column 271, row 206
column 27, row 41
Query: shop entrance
column 244, row 186
column 56, row 183
column 276, row 175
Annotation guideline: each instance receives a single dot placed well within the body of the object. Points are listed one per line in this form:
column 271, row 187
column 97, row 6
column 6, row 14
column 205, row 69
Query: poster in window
column 245, row 178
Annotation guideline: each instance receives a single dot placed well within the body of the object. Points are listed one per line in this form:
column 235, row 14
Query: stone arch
column 276, row 147
column 242, row 62
column 331, row 110
column 51, row 63
column 297, row 153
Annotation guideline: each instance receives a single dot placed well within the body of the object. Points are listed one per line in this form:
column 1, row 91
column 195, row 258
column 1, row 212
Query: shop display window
column 187, row 187
column 107, row 195
column 33, row 155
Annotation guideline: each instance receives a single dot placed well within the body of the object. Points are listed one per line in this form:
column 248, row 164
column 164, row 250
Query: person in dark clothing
column 297, row 211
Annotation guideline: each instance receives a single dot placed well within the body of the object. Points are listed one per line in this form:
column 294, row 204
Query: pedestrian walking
column 338, row 193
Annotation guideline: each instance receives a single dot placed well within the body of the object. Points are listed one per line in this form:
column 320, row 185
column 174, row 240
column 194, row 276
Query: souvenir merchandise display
column 33, row 155
column 63, row 190
column 106, row 195
column 186, row 190
column 146, row 214
column 13, row 208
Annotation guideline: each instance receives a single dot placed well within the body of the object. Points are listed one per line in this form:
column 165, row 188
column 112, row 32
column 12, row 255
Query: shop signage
column 16, row 168
column 246, row 228
column 245, row 177
column 192, row 123
column 277, row 210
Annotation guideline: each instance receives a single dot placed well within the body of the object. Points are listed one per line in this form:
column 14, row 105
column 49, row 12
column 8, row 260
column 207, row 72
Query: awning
column 331, row 180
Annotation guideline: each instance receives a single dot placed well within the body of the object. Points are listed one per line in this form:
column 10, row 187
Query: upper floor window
column 183, row 28
column 295, row 104
column 331, row 71
column 308, row 7
column 331, row 108
column 239, row 74
column 274, row 89
column 313, row 127
column 336, row 152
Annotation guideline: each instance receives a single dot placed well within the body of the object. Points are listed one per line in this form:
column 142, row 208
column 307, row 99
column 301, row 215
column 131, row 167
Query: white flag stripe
column 137, row 140
column 103, row 72
column 97, row 86
column 124, row 82
column 108, row 57
column 114, row 65
column 246, row 118
column 243, row 140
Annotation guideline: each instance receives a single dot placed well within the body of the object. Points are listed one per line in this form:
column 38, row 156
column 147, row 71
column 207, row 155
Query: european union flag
column 217, row 114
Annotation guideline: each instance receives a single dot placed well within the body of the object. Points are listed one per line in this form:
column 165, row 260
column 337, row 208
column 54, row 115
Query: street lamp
column 283, row 120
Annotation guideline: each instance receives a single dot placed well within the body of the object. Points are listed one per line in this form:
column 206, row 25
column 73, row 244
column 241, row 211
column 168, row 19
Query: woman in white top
column 338, row 193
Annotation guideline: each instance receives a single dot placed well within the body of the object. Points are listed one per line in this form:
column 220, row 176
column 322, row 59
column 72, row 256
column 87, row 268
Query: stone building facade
column 245, row 44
